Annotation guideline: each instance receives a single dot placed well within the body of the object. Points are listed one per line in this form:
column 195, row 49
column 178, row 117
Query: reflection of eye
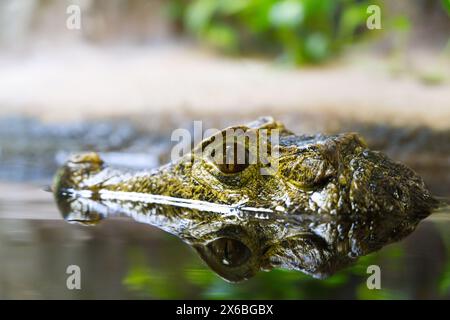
column 233, row 160
column 232, row 253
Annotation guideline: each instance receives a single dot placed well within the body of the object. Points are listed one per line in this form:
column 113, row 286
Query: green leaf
column 199, row 15
column 222, row 37
column 287, row 13
column 352, row 17
column 316, row 47
column 231, row 7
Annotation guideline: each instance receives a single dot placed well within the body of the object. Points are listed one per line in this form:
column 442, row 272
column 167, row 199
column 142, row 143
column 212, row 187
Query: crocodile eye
column 233, row 159
column 231, row 252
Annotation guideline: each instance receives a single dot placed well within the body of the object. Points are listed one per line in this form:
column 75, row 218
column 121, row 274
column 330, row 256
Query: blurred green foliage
column 148, row 281
column 296, row 31
column 444, row 282
column 193, row 278
column 446, row 4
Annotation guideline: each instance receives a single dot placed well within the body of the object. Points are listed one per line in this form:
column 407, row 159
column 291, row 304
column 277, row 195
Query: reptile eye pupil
column 230, row 252
column 234, row 160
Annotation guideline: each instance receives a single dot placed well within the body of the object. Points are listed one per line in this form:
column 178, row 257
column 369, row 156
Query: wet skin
column 329, row 200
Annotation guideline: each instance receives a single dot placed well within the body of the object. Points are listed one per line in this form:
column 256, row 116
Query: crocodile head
column 297, row 174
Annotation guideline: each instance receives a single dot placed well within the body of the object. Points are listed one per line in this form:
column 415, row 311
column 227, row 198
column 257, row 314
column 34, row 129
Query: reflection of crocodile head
column 335, row 183
column 238, row 244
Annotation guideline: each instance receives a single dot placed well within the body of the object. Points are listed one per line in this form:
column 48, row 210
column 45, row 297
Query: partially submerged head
column 347, row 200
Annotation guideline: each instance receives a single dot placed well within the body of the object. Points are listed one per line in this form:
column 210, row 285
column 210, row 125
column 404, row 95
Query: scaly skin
column 345, row 201
column 335, row 175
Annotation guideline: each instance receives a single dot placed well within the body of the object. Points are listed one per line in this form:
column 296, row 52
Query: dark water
column 121, row 258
